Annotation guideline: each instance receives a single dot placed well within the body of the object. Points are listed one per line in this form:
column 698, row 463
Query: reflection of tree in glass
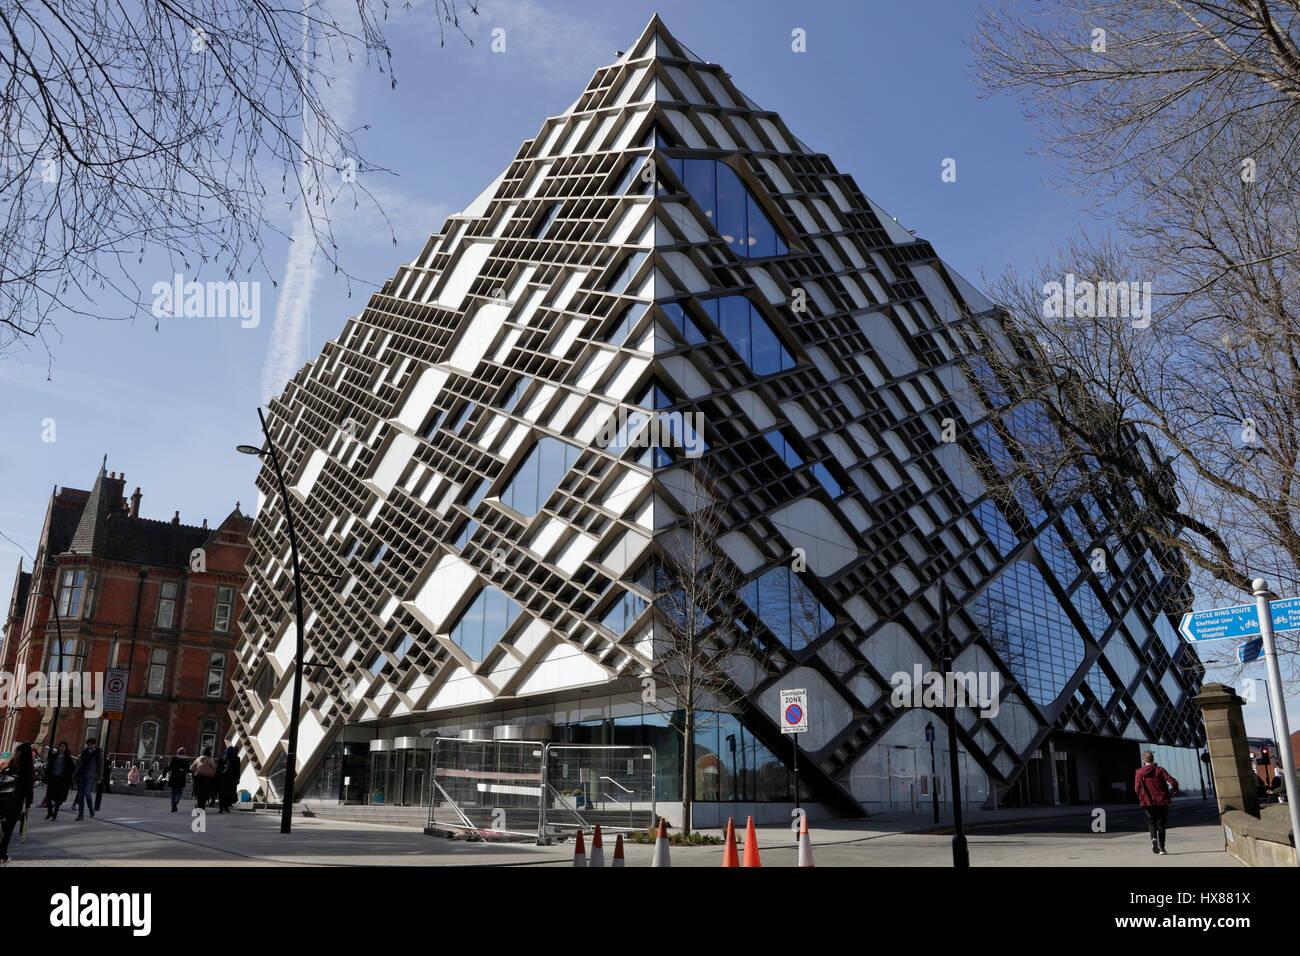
column 696, row 642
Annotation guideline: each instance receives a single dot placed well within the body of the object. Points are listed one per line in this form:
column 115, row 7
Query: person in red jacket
column 1156, row 789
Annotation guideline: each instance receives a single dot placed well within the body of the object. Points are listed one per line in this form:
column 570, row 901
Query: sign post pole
column 794, row 739
column 1283, row 731
column 794, row 721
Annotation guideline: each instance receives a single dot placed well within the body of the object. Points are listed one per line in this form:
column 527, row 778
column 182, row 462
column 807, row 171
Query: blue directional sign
column 1252, row 650
column 1240, row 622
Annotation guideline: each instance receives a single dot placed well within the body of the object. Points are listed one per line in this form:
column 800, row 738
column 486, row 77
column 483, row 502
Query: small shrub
column 677, row 838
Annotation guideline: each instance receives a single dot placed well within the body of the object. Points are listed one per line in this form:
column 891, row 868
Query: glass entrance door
column 415, row 777
column 383, row 774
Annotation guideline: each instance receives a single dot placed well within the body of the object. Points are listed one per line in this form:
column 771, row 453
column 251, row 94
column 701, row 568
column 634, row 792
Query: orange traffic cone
column 579, row 851
column 661, row 845
column 618, row 852
column 597, row 857
column 729, row 855
column 751, row 845
column 805, row 845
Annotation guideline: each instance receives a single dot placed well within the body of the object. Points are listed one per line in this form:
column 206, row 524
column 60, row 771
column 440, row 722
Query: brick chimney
column 135, row 503
column 114, row 486
column 176, row 518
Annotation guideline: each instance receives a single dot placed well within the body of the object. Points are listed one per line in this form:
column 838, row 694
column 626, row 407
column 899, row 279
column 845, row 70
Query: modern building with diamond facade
column 479, row 515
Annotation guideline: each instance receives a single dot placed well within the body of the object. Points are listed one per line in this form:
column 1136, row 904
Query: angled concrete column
column 1230, row 763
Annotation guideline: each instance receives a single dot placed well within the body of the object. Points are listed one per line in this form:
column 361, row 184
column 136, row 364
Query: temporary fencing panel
column 527, row 789
column 586, row 785
column 488, row 787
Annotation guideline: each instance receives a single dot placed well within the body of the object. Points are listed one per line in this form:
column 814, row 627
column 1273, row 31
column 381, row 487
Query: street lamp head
column 249, row 450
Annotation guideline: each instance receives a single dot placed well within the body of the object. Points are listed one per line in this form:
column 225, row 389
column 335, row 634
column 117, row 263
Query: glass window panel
column 680, row 318
column 466, row 533
column 460, row 418
column 1035, row 637
column 515, row 392
column 767, row 351
column 622, row 615
column 762, row 235
column 783, row 448
column 632, row 180
column 627, row 321
column 484, row 622
column 787, row 607
column 538, row 475
column 216, row 675
column 546, row 220
column 730, row 219
column 735, row 324
column 157, row 670
column 828, row 480
column 699, row 180
column 996, row 527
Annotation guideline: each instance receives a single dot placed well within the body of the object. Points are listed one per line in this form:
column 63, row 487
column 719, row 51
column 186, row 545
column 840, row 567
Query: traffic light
column 1264, row 759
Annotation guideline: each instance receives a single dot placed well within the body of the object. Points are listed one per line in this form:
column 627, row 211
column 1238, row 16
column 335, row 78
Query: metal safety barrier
column 520, row 789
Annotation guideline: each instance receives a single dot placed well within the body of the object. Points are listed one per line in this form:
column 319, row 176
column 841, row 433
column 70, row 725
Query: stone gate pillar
column 1230, row 762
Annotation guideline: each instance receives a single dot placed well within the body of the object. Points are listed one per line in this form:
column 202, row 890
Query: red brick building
column 160, row 598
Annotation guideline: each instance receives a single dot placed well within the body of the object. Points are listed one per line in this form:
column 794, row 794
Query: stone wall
column 1256, row 836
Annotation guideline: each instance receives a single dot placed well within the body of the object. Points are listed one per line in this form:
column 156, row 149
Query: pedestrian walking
column 204, row 769
column 58, row 780
column 105, row 783
column 90, row 769
column 227, row 779
column 17, row 787
column 176, row 771
column 1156, row 789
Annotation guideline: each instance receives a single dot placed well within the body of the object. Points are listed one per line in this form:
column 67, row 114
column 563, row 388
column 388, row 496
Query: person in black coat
column 17, row 781
column 58, row 780
column 227, row 779
column 176, row 771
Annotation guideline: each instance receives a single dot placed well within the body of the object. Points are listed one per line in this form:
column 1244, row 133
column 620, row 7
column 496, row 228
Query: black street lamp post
column 934, row 773
column 291, row 756
column 960, row 852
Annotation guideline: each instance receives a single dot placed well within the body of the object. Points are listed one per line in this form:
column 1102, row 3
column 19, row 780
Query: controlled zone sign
column 794, row 711
column 115, row 692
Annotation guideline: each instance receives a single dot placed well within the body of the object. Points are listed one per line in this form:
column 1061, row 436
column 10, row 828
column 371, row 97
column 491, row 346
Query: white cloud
column 290, row 334
column 549, row 45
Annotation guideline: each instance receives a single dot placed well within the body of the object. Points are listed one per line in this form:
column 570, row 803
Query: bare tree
column 697, row 646
column 1163, row 359
column 154, row 127
column 1127, row 91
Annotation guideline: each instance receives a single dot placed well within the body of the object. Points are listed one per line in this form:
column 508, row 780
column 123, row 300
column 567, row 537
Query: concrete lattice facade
column 665, row 244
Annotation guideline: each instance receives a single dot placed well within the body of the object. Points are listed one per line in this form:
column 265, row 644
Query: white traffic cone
column 661, row 846
column 618, row 852
column 597, row 857
column 579, row 851
column 805, row 845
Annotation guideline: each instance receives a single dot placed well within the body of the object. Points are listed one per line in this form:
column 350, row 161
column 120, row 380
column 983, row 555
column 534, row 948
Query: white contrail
column 291, row 332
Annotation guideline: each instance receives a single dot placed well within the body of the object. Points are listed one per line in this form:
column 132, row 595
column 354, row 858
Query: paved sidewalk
column 138, row 831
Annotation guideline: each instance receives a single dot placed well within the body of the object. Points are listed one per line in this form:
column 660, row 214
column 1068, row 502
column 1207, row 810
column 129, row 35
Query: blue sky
column 883, row 89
